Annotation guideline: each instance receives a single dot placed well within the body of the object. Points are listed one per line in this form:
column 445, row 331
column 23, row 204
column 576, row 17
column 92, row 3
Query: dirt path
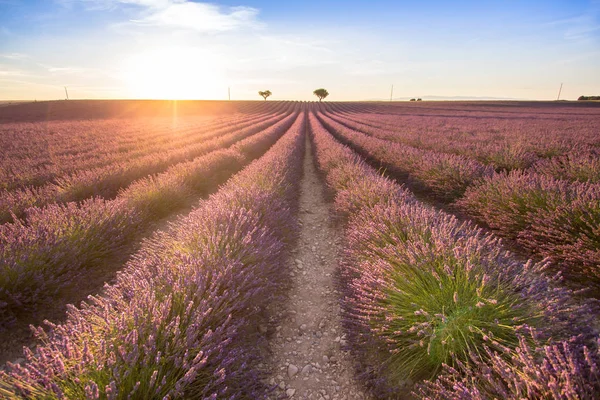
column 308, row 356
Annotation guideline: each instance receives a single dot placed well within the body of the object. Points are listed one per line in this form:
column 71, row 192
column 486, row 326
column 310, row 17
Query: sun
column 174, row 74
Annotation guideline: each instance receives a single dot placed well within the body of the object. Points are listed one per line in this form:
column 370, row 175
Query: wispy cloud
column 581, row 27
column 201, row 17
column 179, row 14
column 14, row 56
column 8, row 71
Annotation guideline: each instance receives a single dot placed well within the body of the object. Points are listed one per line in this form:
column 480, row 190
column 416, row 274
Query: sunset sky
column 354, row 49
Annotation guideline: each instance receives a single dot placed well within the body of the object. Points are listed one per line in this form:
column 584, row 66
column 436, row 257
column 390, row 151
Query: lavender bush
column 179, row 321
column 550, row 217
column 44, row 252
column 423, row 290
column 561, row 371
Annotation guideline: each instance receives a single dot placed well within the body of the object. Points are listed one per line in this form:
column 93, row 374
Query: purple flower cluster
column 179, row 322
column 492, row 134
column 554, row 218
column 423, row 289
column 446, row 175
column 44, row 252
column 105, row 180
column 561, row 371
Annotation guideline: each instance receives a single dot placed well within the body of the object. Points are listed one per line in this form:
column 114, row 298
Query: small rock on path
column 308, row 344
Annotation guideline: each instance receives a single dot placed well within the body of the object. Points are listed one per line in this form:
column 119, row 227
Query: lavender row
column 551, row 218
column 53, row 245
column 180, row 322
column 493, row 150
column 34, row 153
column 446, row 175
column 424, row 290
column 106, row 181
column 557, row 156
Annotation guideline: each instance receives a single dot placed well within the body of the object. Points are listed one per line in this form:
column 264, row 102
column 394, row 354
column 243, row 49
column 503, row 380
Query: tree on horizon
column 321, row 93
column 265, row 94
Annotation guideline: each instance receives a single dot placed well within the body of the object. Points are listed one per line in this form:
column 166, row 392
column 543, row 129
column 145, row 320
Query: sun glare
column 175, row 74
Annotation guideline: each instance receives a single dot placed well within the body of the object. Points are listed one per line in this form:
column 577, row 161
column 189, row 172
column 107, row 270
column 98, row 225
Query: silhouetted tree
column 265, row 94
column 413, row 99
column 419, row 99
column 321, row 94
column 589, row 98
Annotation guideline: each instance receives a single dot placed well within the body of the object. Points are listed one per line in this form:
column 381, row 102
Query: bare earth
column 308, row 357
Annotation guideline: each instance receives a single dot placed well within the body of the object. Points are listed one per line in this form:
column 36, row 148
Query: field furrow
column 548, row 218
column 181, row 319
column 424, row 290
column 53, row 245
column 106, row 181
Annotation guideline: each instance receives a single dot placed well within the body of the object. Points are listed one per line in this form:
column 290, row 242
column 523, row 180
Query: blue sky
column 355, row 49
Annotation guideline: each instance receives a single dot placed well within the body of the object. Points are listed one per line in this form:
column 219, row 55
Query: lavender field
column 320, row 250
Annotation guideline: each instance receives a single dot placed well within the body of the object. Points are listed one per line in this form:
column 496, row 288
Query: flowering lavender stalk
column 179, row 322
column 53, row 245
column 562, row 371
column 554, row 218
column 423, row 289
column 446, row 175
column 107, row 180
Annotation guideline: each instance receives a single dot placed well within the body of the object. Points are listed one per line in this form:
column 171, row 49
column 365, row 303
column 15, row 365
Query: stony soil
column 306, row 345
column 308, row 356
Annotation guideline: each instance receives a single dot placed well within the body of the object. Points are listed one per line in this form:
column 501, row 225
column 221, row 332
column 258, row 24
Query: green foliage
column 321, row 93
column 431, row 291
column 265, row 94
column 448, row 315
column 589, row 98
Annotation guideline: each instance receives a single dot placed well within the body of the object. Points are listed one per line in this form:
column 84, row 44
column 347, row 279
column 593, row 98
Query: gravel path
column 307, row 347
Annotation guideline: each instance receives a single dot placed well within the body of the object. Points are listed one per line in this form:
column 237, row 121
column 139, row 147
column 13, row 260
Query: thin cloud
column 14, row 56
column 201, row 17
column 7, row 71
column 583, row 26
column 178, row 14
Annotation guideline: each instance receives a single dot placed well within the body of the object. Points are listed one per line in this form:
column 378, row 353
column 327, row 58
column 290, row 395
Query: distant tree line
column 419, row 99
column 589, row 98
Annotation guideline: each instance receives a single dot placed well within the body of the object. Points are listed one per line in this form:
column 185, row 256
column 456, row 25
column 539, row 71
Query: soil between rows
column 308, row 356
